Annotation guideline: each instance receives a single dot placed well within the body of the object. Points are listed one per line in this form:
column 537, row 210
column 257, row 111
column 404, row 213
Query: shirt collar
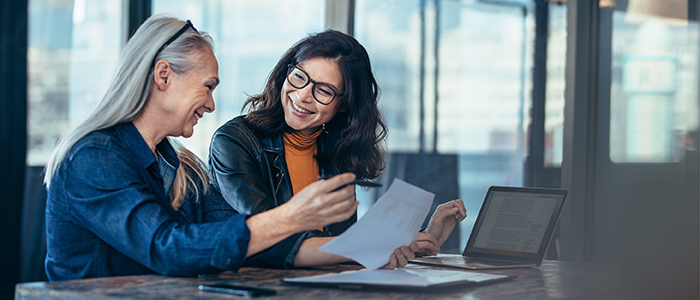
column 134, row 142
column 168, row 152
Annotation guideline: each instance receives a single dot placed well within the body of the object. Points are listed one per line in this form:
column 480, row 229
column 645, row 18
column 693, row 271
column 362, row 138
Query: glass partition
column 556, row 84
column 653, row 94
column 73, row 49
column 390, row 31
column 456, row 81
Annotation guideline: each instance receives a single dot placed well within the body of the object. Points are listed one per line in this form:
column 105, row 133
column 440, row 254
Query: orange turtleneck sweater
column 299, row 152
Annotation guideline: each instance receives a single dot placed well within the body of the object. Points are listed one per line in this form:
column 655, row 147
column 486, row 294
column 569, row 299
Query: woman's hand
column 403, row 254
column 427, row 244
column 444, row 220
column 399, row 257
column 323, row 202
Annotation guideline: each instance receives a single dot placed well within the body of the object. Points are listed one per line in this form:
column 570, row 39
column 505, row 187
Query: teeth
column 301, row 109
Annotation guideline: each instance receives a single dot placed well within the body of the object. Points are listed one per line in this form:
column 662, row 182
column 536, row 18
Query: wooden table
column 552, row 280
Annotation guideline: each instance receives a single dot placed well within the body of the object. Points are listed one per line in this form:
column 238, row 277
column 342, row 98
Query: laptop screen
column 516, row 222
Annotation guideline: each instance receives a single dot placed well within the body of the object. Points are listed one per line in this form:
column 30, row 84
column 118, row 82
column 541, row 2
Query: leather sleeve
column 236, row 167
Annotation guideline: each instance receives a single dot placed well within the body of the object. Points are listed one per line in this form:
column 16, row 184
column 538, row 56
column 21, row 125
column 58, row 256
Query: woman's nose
column 306, row 94
column 209, row 106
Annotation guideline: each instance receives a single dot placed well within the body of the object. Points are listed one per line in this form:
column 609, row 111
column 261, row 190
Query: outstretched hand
column 444, row 220
column 323, row 202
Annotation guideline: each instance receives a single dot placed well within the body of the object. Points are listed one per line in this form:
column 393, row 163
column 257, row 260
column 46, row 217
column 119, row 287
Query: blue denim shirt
column 108, row 214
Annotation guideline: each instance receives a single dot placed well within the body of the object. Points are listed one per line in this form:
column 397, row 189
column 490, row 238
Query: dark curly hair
column 356, row 132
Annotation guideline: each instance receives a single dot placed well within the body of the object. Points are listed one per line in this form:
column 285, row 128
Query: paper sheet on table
column 393, row 221
column 407, row 277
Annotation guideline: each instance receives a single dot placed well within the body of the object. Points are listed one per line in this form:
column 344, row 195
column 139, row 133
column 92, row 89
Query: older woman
column 317, row 116
column 123, row 201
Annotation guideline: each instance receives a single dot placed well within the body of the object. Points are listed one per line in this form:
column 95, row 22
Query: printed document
column 516, row 222
column 393, row 221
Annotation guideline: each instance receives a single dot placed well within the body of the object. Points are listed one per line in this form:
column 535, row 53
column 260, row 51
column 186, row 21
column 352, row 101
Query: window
column 456, row 80
column 73, row 48
column 390, row 31
column 556, row 83
column 653, row 95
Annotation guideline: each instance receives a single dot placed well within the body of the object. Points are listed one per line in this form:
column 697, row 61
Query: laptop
column 513, row 230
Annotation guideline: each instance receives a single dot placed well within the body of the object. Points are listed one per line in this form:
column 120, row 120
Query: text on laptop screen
column 516, row 221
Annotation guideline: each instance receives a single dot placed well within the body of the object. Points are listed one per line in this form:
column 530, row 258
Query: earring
column 324, row 129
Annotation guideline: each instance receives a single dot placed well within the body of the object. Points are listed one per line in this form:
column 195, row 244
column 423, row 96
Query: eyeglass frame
column 291, row 67
column 188, row 24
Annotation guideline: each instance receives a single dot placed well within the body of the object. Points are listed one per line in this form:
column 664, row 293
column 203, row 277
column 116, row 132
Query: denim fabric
column 167, row 173
column 107, row 214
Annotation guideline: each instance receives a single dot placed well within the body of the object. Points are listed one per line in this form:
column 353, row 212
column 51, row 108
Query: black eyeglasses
column 322, row 92
column 188, row 25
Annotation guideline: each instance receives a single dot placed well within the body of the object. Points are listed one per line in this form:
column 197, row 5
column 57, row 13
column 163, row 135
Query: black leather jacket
column 251, row 172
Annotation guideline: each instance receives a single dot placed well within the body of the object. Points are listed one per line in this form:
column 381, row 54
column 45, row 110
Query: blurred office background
column 597, row 97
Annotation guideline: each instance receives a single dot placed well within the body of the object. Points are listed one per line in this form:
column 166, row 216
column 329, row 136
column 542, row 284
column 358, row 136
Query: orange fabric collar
column 301, row 141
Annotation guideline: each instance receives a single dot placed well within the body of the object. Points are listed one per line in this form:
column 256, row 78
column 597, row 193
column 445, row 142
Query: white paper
column 404, row 277
column 393, row 221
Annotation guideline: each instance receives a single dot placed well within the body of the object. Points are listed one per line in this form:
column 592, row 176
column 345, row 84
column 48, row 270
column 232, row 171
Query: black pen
column 365, row 183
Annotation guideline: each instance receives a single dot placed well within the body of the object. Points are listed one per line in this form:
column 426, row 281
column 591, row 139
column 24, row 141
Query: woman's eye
column 211, row 87
column 326, row 92
column 299, row 76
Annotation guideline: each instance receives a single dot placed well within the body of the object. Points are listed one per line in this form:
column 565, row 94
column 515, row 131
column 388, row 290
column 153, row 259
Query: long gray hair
column 130, row 87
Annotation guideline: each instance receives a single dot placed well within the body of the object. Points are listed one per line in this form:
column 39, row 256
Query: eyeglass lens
column 321, row 92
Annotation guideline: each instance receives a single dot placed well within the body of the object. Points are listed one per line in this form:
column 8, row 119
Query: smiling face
column 301, row 111
column 191, row 94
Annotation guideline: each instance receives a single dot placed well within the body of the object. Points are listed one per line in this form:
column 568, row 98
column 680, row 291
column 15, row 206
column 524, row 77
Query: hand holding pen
column 365, row 183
